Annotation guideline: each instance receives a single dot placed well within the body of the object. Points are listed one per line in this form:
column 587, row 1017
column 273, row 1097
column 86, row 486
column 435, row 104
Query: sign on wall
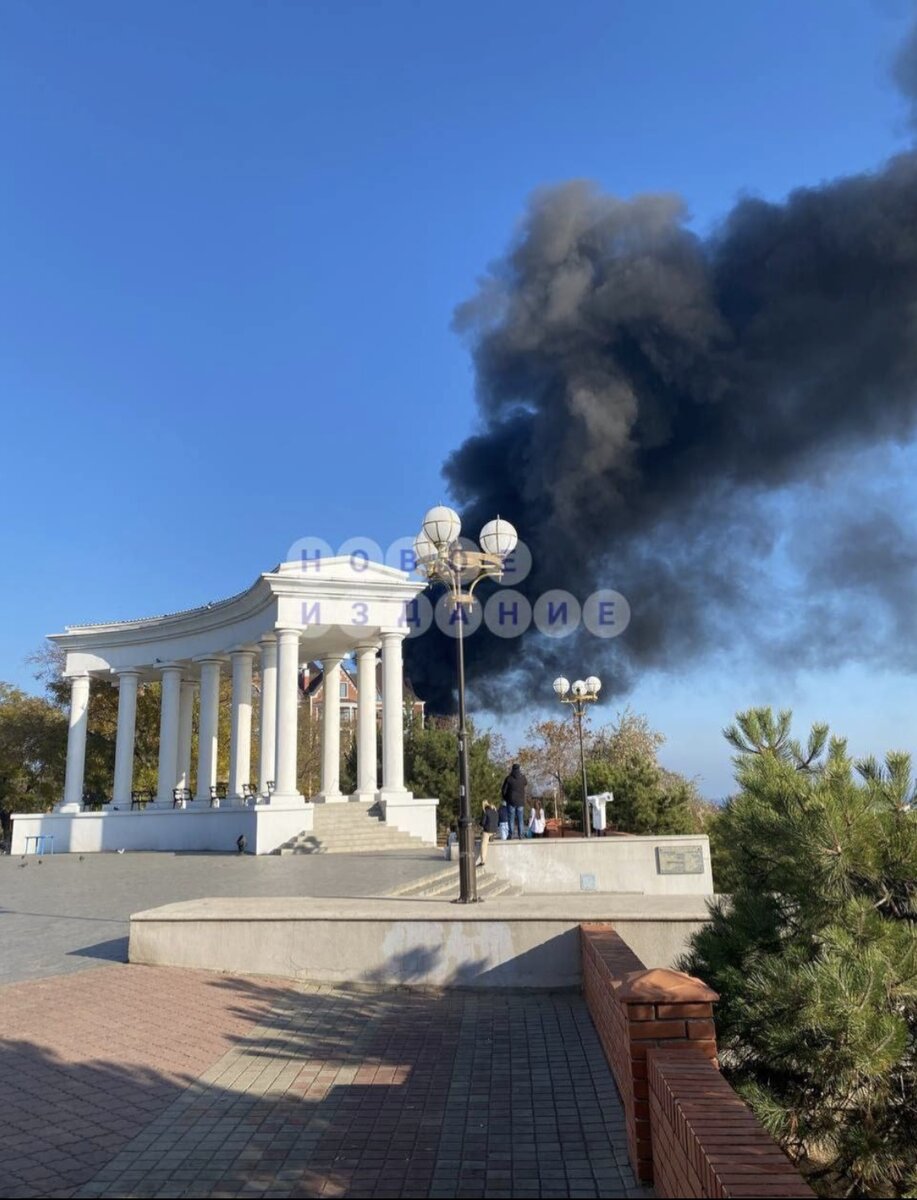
column 679, row 860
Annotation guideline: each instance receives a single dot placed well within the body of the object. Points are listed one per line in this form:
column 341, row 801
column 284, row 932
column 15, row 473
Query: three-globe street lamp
column 578, row 696
column 441, row 558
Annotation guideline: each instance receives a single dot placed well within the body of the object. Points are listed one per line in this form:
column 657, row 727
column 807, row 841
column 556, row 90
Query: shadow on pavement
column 114, row 950
column 332, row 1092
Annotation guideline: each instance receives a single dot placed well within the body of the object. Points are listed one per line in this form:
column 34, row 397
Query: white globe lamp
column 579, row 688
column 499, row 538
column 561, row 686
column 442, row 526
column 424, row 550
column 593, row 685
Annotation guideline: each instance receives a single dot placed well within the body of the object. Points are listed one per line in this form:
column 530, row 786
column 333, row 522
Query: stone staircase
column 444, row 885
column 350, row 828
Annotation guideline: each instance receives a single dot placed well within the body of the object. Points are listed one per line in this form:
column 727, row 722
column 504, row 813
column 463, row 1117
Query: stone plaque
column 587, row 883
column 680, row 860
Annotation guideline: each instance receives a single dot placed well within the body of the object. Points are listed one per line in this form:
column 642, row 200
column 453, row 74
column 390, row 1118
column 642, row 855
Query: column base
column 397, row 795
column 287, row 800
column 330, row 798
column 369, row 797
column 70, row 808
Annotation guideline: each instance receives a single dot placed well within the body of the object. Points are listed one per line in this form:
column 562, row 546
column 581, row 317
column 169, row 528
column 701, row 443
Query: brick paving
column 146, row 1081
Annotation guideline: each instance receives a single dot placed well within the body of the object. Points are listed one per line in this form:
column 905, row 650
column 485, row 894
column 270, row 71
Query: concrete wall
column 609, row 864
column 517, row 941
column 412, row 815
column 265, row 827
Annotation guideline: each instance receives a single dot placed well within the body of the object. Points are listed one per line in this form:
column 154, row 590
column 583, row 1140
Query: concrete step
column 364, row 834
column 444, row 884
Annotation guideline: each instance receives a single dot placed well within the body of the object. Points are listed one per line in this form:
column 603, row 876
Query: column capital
column 125, row 672
column 209, row 658
column 75, row 676
column 243, row 652
column 391, row 635
column 267, row 639
column 366, row 648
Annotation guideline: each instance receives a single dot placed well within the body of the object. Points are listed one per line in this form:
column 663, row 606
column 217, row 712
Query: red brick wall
column 706, row 1141
column 684, row 1122
column 607, row 962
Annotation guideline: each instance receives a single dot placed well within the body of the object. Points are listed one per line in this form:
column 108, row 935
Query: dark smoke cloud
column 646, row 396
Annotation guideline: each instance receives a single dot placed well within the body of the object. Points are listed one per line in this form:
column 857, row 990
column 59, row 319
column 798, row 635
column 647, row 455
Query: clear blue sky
column 232, row 235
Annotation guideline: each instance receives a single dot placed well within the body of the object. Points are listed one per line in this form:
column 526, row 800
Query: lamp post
column 442, row 559
column 581, row 693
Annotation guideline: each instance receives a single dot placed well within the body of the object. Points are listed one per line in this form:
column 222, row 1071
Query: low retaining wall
column 264, row 827
column 671, row 865
column 688, row 1133
column 510, row 941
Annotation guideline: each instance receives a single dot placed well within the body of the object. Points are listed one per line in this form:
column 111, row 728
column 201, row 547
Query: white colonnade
column 277, row 764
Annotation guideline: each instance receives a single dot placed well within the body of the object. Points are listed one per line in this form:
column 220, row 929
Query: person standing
column 537, row 820
column 513, row 793
column 489, row 826
column 503, row 814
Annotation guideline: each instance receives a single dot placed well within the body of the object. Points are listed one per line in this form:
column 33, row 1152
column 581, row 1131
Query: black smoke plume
column 653, row 405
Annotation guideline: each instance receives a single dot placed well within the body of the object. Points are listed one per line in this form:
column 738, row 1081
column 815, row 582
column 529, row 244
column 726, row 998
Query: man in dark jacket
column 513, row 793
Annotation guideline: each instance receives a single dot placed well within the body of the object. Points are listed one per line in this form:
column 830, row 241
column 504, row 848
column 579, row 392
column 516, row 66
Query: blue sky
column 232, row 236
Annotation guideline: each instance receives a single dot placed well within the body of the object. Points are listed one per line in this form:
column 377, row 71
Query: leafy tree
column 622, row 758
column 33, row 753
column 815, row 956
column 550, row 756
column 431, row 766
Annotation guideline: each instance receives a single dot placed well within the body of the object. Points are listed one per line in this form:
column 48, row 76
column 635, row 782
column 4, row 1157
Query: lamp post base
column 468, row 884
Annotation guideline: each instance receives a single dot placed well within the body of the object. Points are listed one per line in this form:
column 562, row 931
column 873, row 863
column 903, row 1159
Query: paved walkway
column 65, row 913
column 146, row 1081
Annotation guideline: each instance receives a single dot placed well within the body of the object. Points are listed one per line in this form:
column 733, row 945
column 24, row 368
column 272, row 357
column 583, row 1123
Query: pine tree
column 815, row 956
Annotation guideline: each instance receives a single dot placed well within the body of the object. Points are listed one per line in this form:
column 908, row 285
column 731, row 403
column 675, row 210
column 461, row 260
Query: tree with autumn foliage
column 550, row 756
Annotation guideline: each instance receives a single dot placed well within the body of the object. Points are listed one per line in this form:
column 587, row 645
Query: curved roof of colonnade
column 339, row 582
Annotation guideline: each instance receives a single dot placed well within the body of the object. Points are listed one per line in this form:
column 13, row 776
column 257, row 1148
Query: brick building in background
column 312, row 683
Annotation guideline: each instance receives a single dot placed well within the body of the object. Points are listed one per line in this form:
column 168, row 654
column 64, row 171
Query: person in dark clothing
column 513, row 793
column 490, row 825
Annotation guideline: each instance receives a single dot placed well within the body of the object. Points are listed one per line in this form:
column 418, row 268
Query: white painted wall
column 617, row 864
column 265, row 828
column 412, row 815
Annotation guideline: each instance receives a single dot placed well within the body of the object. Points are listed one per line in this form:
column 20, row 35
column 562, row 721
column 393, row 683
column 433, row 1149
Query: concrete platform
column 511, row 941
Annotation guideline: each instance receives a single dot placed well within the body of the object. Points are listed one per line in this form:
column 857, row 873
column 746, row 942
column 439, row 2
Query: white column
column 128, row 683
column 76, row 744
column 287, row 714
column 168, row 735
column 240, row 741
column 268, row 729
column 185, row 730
column 209, row 725
column 367, row 766
column 392, row 714
column 331, row 728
